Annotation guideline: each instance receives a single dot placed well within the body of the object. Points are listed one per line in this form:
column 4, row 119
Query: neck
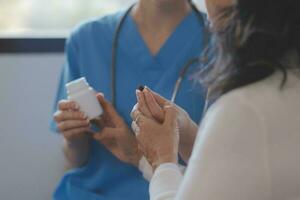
column 160, row 14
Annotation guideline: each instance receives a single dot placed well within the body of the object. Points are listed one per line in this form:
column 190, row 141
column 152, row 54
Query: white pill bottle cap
column 80, row 92
column 77, row 85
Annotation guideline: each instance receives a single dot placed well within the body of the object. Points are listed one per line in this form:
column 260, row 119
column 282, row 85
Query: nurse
column 155, row 40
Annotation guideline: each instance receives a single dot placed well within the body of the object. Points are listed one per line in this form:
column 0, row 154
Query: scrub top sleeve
column 70, row 71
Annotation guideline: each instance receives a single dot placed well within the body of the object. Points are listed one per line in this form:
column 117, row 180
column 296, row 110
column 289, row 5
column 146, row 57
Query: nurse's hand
column 71, row 123
column 158, row 141
column 115, row 135
column 74, row 126
column 151, row 105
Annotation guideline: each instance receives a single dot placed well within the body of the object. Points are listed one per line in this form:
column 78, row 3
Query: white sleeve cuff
column 165, row 182
column 147, row 171
column 145, row 168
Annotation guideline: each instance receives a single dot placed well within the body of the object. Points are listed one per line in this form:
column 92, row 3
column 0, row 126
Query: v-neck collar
column 183, row 34
column 166, row 42
column 181, row 41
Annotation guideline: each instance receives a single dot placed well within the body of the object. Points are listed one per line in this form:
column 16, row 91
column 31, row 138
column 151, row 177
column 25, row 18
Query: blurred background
column 51, row 17
column 55, row 16
column 32, row 35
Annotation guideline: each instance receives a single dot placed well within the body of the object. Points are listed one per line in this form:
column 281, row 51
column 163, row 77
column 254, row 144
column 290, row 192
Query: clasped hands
column 155, row 125
column 161, row 129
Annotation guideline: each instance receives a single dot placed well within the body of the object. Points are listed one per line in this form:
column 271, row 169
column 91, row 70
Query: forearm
column 187, row 139
column 77, row 152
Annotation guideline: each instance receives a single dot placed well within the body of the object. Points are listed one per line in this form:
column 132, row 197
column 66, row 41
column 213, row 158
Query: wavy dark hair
column 248, row 42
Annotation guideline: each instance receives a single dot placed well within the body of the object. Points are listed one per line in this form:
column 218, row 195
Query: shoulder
column 103, row 27
column 247, row 105
column 254, row 95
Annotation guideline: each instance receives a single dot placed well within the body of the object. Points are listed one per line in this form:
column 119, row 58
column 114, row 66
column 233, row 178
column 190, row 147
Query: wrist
column 184, row 121
column 164, row 159
column 192, row 128
column 76, row 142
column 188, row 132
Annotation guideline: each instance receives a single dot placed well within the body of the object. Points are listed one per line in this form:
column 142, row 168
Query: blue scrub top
column 88, row 54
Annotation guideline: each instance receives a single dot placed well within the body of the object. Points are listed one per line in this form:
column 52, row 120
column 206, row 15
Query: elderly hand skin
column 159, row 141
column 151, row 105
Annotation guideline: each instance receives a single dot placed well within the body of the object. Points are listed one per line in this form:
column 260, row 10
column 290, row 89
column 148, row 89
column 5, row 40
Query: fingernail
column 146, row 92
column 141, row 88
column 137, row 92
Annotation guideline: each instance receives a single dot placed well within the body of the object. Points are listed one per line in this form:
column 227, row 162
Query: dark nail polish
column 141, row 88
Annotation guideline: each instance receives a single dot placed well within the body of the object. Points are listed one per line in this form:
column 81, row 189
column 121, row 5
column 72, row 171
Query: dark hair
column 249, row 40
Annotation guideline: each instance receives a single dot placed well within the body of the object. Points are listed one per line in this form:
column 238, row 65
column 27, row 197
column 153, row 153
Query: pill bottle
column 80, row 92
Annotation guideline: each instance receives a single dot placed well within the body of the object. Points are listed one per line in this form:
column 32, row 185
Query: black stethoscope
column 183, row 72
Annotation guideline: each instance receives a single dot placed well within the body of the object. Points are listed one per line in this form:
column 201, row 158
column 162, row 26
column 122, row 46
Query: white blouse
column 247, row 148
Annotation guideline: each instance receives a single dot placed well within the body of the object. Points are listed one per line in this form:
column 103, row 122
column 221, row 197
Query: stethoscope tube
column 181, row 76
column 114, row 55
column 115, row 48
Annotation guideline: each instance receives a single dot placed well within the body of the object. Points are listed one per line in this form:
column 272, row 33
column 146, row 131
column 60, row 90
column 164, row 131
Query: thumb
column 170, row 114
column 101, row 99
column 109, row 109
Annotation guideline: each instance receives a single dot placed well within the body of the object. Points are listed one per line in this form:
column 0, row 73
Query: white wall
column 31, row 159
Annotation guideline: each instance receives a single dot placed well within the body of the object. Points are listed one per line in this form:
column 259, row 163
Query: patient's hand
column 74, row 127
column 158, row 141
column 151, row 105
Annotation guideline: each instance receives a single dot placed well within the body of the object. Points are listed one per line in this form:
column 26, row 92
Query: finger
column 134, row 109
column 171, row 114
column 135, row 115
column 159, row 99
column 135, row 128
column 77, row 131
column 140, row 141
column 67, row 105
column 141, row 144
column 72, row 124
column 109, row 110
column 144, row 122
column 155, row 109
column 142, row 106
column 69, row 115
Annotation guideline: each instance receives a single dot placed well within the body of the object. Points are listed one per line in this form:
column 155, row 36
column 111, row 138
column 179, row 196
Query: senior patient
column 248, row 143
